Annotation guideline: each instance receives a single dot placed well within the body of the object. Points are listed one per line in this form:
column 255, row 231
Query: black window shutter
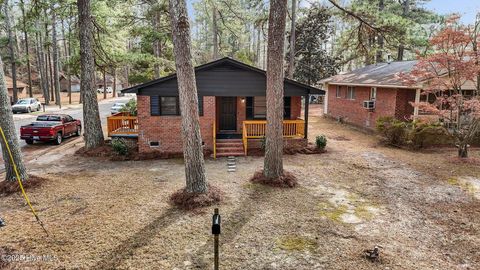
column 287, row 107
column 154, row 105
column 249, row 107
column 200, row 105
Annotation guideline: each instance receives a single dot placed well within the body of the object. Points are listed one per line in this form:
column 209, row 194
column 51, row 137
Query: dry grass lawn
column 422, row 208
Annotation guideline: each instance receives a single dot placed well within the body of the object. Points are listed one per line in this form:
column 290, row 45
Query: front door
column 228, row 113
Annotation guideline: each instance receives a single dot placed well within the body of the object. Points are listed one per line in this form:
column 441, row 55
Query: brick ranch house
column 232, row 109
column 363, row 95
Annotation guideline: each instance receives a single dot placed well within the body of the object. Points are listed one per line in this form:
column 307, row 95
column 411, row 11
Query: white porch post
column 417, row 100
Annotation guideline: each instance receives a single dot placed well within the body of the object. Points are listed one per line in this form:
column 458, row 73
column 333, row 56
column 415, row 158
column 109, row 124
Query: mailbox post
column 216, row 232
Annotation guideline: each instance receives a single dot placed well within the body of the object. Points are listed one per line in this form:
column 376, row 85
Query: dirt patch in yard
column 10, row 187
column 287, row 180
column 187, row 200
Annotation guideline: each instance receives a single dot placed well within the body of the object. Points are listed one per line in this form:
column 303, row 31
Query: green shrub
column 130, row 107
column 395, row 132
column 120, row 147
column 425, row 134
column 321, row 141
column 414, row 134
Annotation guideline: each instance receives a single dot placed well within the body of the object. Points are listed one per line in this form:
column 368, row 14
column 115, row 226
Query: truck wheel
column 39, row 108
column 29, row 110
column 58, row 138
column 29, row 141
column 79, row 131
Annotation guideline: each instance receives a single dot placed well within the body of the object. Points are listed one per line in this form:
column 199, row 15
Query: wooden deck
column 122, row 125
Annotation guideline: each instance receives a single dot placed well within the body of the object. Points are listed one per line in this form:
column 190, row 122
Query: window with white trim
column 338, row 91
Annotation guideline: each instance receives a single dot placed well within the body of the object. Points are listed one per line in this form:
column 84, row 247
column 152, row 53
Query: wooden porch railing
column 255, row 129
column 214, row 141
column 122, row 124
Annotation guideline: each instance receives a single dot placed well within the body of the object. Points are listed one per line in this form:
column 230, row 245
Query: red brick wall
column 389, row 102
column 404, row 109
column 167, row 129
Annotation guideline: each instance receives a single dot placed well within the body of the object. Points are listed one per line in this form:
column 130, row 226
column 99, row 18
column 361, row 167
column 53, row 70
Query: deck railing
column 255, row 129
column 214, row 140
column 122, row 124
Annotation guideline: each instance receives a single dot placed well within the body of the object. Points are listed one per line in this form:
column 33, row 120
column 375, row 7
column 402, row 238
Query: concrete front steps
column 229, row 147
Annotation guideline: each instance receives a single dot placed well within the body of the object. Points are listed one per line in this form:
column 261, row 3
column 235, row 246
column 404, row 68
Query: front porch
column 232, row 144
column 229, row 125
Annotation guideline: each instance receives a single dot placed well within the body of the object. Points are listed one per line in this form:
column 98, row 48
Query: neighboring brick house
column 232, row 109
column 361, row 96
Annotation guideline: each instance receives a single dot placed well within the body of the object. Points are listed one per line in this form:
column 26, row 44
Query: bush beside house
column 416, row 134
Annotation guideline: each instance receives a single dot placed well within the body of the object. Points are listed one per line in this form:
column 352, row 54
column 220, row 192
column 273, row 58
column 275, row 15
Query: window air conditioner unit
column 369, row 104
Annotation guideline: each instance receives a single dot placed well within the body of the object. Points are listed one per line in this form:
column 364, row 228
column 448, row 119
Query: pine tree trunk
column 27, row 49
column 127, row 67
column 91, row 117
column 50, row 75
column 291, row 62
column 258, row 45
column 379, row 58
column 11, row 48
column 8, row 127
column 104, row 84
column 56, row 78
column 192, row 141
column 41, row 65
column 156, row 44
column 48, row 60
column 69, row 76
column 215, row 33
column 273, row 165
column 401, row 47
column 114, row 92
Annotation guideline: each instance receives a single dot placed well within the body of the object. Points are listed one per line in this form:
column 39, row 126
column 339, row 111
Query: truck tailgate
column 38, row 129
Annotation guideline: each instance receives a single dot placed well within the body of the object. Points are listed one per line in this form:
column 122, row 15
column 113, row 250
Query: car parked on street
column 27, row 105
column 51, row 127
column 109, row 90
column 117, row 107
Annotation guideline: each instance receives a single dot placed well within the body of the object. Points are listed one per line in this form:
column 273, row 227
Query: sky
column 467, row 8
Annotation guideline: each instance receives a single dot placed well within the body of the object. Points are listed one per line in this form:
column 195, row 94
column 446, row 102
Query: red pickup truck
column 51, row 127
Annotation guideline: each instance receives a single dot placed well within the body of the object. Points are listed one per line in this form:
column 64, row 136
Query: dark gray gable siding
column 223, row 79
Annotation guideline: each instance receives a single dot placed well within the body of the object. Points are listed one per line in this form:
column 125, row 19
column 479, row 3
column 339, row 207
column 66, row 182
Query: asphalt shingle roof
column 385, row 74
